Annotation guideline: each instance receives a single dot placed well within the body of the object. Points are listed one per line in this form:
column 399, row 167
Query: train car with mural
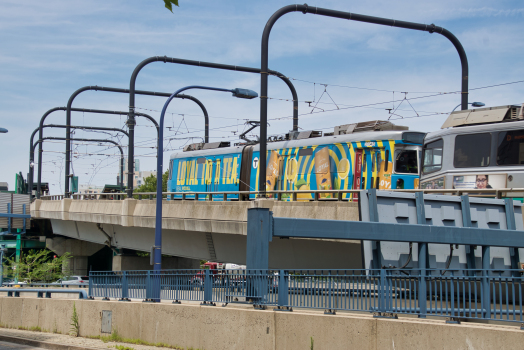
column 375, row 154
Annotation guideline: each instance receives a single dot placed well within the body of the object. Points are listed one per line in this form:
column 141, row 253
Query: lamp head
column 3, row 130
column 244, row 93
column 478, row 104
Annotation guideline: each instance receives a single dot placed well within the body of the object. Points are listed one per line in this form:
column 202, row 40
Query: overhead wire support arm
column 431, row 28
column 165, row 59
column 40, row 131
column 130, row 122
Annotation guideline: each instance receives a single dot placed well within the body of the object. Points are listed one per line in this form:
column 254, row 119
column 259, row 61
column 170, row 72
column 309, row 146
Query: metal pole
column 431, row 28
column 131, row 127
column 40, row 135
column 165, row 59
column 157, row 249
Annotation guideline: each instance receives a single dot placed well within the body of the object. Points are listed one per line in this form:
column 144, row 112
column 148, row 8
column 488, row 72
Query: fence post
column 452, row 318
column 330, row 310
column 422, row 257
column 486, row 297
column 90, row 289
column 208, row 288
column 125, row 290
column 283, row 290
column 382, row 292
column 148, row 286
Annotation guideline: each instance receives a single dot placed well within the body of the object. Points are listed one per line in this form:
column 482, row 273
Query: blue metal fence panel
column 459, row 294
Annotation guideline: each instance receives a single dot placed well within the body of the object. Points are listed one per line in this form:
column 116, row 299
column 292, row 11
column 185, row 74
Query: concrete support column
column 79, row 250
column 75, row 266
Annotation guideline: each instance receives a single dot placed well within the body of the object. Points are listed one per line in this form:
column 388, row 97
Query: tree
column 38, row 265
column 149, row 184
column 169, row 4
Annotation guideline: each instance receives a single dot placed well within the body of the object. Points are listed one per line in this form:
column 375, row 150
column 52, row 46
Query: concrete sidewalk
column 55, row 341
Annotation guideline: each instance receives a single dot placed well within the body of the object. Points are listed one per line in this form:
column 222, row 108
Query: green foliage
column 169, row 4
column 149, row 184
column 122, row 347
column 115, row 337
column 37, row 265
column 75, row 327
column 312, row 343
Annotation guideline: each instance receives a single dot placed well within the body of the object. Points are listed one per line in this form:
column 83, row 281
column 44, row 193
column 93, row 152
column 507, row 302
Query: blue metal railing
column 456, row 294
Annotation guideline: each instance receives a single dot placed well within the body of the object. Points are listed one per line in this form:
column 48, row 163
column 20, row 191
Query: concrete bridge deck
column 202, row 229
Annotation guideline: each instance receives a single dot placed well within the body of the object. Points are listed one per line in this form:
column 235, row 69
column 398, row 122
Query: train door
column 245, row 169
column 209, row 175
column 357, row 182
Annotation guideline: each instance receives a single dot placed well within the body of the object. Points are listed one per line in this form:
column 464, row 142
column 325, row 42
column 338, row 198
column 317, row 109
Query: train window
column 379, row 160
column 432, row 156
column 292, row 169
column 406, row 161
column 472, row 150
column 171, row 169
column 201, row 160
column 305, row 152
column 343, row 168
column 510, row 148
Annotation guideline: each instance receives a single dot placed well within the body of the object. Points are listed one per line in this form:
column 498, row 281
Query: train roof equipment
column 486, row 115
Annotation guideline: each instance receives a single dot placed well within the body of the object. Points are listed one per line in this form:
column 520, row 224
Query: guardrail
column 455, row 294
column 15, row 292
column 336, row 195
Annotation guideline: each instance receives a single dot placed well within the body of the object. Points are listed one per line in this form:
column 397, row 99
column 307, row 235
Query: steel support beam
column 377, row 231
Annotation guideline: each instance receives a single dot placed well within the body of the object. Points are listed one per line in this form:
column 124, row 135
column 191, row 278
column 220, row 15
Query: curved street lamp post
column 157, row 248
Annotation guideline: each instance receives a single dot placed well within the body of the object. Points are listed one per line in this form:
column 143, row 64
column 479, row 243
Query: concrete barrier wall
column 217, row 328
column 227, row 217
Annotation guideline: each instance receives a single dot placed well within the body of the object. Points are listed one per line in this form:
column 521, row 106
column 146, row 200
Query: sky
column 344, row 71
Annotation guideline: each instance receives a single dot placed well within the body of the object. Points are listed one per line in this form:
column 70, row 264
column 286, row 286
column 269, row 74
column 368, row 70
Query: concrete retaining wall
column 215, row 328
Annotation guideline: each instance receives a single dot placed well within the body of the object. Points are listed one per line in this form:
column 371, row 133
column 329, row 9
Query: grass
column 122, row 347
column 75, row 327
column 115, row 337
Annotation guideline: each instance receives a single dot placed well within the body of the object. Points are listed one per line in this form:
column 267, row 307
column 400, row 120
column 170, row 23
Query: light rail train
column 366, row 155
column 475, row 149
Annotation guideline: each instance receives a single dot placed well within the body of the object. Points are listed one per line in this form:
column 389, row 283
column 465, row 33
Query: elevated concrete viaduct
column 214, row 231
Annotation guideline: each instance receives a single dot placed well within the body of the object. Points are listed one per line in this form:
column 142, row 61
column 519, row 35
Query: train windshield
column 472, row 150
column 432, row 156
column 406, row 161
column 510, row 150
